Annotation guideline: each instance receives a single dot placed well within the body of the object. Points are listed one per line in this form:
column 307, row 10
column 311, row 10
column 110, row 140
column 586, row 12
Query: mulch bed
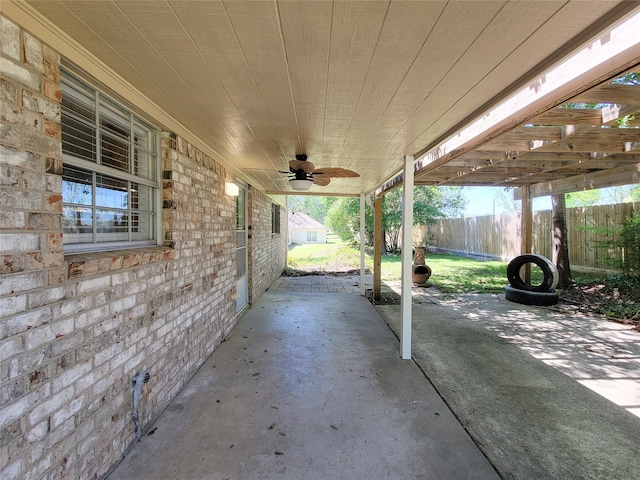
column 617, row 303
column 301, row 272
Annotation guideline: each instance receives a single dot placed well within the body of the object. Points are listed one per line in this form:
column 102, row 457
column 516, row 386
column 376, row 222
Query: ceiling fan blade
column 336, row 172
column 321, row 180
column 306, row 167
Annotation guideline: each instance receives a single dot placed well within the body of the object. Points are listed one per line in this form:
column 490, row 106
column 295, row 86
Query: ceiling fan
column 302, row 174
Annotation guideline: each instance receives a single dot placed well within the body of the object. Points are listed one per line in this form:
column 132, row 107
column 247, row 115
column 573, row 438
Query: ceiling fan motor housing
column 301, row 156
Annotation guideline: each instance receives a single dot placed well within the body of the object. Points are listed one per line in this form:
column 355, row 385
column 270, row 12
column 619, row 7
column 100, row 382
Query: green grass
column 450, row 273
column 333, row 255
column 453, row 274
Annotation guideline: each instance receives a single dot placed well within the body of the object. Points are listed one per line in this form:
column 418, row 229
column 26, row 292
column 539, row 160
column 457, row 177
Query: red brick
column 13, row 263
column 52, row 129
column 53, row 203
column 52, row 91
column 54, row 242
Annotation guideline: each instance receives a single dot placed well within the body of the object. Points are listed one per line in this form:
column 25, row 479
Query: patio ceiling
column 353, row 84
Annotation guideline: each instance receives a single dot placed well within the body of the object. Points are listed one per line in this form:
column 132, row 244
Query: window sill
column 87, row 264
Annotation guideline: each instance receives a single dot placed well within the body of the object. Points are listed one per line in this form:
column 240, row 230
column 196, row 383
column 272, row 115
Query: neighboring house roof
column 301, row 220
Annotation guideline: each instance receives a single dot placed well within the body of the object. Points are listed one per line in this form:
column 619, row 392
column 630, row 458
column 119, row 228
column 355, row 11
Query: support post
column 377, row 248
column 407, row 249
column 363, row 237
column 526, row 228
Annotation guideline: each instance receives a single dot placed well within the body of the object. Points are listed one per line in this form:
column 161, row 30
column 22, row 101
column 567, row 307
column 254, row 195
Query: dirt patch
column 386, row 298
column 302, row 272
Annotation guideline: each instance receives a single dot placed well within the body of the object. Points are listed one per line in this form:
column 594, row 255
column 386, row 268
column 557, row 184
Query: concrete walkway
column 320, row 284
column 307, row 387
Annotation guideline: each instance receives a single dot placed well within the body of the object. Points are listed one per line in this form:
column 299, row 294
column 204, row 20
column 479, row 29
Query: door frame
column 242, row 251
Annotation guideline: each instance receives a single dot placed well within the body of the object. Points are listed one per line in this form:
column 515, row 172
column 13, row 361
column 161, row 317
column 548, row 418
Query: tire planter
column 525, row 297
column 549, row 271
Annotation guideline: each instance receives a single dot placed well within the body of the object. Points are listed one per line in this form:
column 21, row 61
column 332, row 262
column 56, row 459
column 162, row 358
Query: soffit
column 352, row 84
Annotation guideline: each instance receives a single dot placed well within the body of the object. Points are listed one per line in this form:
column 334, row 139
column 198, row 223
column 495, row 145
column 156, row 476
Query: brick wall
column 267, row 251
column 75, row 329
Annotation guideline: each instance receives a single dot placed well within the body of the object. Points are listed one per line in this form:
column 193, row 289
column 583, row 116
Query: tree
column 560, row 245
column 315, row 207
column 430, row 203
column 343, row 217
column 620, row 194
column 504, row 197
column 583, row 198
column 627, row 193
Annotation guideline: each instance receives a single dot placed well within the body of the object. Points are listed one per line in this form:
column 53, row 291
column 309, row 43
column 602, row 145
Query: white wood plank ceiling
column 353, row 84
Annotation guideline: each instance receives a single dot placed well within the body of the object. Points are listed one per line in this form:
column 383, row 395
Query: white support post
column 407, row 249
column 362, row 245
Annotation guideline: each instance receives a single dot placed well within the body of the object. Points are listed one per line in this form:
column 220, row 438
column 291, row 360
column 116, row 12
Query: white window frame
column 100, row 237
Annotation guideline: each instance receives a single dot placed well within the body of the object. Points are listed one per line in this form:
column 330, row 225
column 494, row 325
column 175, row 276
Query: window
column 110, row 186
column 312, row 236
column 275, row 218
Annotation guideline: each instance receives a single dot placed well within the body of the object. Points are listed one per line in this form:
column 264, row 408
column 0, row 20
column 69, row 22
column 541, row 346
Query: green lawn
column 455, row 274
column 335, row 255
column 450, row 273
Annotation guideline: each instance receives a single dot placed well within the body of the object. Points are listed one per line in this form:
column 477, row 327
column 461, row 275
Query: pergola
column 560, row 148
column 431, row 92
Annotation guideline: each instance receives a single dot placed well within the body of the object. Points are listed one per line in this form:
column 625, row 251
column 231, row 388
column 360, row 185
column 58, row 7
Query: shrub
column 627, row 239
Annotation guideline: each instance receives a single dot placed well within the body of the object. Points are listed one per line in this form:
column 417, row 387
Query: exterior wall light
column 231, row 189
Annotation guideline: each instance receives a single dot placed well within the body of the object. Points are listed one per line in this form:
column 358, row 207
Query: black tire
column 540, row 299
column 549, row 271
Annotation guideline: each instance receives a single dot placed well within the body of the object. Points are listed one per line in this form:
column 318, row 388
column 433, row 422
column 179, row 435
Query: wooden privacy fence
column 499, row 236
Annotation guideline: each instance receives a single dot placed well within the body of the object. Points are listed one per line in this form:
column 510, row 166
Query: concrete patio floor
column 307, row 386
column 516, row 377
column 310, row 385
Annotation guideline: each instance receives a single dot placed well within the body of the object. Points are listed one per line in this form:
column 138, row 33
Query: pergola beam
column 625, row 175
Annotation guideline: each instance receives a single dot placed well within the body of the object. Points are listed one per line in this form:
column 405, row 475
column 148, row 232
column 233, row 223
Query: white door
column 242, row 258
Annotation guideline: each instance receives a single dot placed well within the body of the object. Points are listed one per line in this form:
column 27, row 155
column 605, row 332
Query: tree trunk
column 560, row 246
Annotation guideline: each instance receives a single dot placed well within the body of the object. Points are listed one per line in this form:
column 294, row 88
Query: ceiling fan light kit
column 300, row 185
